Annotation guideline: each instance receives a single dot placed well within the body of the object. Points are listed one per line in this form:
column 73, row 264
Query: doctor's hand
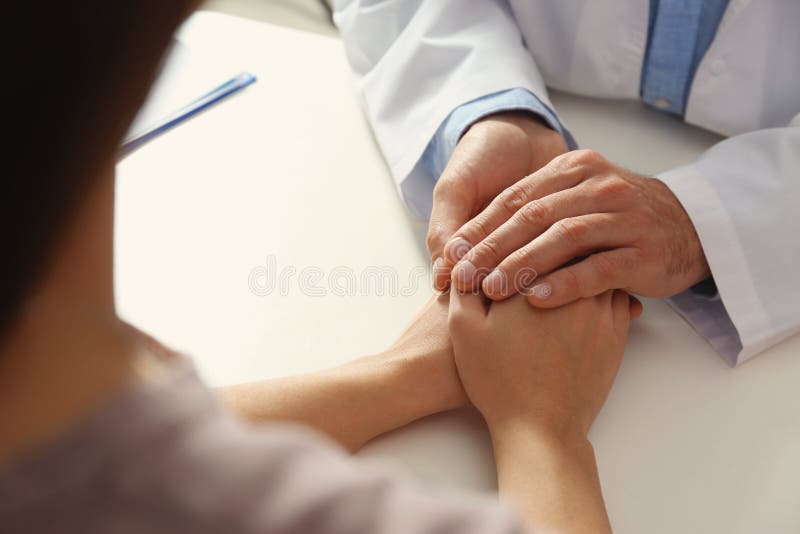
column 494, row 153
column 577, row 228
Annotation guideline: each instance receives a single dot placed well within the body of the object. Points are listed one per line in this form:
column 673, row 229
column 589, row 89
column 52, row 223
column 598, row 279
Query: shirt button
column 717, row 66
column 662, row 103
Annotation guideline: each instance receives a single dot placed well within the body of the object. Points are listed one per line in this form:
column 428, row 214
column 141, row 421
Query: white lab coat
column 417, row 60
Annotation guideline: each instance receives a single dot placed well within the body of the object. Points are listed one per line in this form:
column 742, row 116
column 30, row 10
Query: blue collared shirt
column 679, row 34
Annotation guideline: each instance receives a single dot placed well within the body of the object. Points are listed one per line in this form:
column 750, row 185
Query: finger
column 636, row 308
column 442, row 298
column 605, row 299
column 564, row 241
column 441, row 276
column 465, row 307
column 621, row 307
column 597, row 273
column 451, row 208
column 547, row 180
column 530, row 221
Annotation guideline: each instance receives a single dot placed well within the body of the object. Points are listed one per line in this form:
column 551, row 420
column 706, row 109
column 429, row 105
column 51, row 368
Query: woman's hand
column 359, row 400
column 552, row 368
column 540, row 377
column 426, row 346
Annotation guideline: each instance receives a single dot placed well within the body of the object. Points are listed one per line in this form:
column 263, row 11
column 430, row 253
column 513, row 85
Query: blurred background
column 309, row 15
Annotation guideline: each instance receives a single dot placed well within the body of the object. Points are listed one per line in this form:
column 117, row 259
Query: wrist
column 532, row 123
column 554, row 432
column 425, row 381
column 571, row 451
column 544, row 142
column 689, row 260
column 551, row 478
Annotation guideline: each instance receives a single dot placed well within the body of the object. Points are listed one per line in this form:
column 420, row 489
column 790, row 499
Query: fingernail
column 458, row 247
column 542, row 291
column 465, row 272
column 494, row 282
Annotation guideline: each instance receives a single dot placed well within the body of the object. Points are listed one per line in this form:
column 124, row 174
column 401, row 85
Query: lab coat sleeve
column 743, row 197
column 418, row 60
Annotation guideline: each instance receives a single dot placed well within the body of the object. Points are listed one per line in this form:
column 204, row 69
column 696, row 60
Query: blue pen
column 235, row 84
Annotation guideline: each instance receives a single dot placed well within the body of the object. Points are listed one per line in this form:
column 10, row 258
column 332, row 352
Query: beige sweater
column 167, row 457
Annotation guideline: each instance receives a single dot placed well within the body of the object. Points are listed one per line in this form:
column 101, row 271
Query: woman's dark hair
column 73, row 76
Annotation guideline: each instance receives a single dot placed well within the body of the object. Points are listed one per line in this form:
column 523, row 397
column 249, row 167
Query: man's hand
column 493, row 154
column 578, row 227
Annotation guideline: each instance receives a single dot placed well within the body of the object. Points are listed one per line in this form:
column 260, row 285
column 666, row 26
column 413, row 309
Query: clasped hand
column 513, row 207
column 574, row 227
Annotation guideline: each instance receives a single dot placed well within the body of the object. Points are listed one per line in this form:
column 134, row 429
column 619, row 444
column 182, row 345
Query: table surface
column 265, row 237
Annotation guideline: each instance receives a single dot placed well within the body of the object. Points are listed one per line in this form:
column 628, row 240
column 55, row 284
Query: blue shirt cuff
column 444, row 141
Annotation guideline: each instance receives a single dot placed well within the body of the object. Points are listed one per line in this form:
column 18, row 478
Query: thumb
column 452, row 205
column 465, row 307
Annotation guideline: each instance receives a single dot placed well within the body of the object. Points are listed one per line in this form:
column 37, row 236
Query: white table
column 288, row 170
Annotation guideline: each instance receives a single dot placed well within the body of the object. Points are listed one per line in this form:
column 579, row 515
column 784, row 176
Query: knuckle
column 533, row 213
column 562, row 162
column 614, row 187
column 516, row 259
column 521, row 271
column 607, row 267
column 588, row 156
column 577, row 159
column 513, row 198
column 628, row 263
column 571, row 230
column 477, row 229
column 489, row 250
